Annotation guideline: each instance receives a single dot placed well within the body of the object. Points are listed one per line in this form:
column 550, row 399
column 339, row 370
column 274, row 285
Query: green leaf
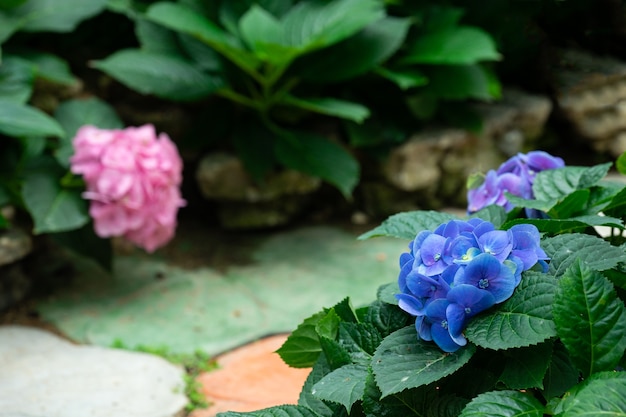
column 183, row 19
column 19, row 120
column 601, row 396
column 408, row 224
column 263, row 33
column 524, row 319
column 460, row 82
column 503, row 404
column 561, row 374
column 570, row 205
column 387, row 318
column 590, row 319
column 9, row 4
column 56, row 15
column 72, row 114
column 9, row 24
column 307, row 399
column 555, row 184
column 330, row 106
column 402, row 361
column 52, row 208
column 279, row 411
column 85, row 242
column 386, row 293
column 571, row 399
column 16, row 79
column 302, row 347
column 573, row 224
column 317, row 156
column 457, row 45
column 405, row 79
column 50, row 67
column 566, row 249
column 313, row 25
column 203, row 56
column 164, row 76
column 620, row 164
column 361, row 339
column 358, row 54
column 492, row 213
column 155, row 38
column 344, row 385
column 526, row 367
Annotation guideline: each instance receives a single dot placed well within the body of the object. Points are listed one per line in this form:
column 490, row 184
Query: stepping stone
column 43, row 375
column 251, row 377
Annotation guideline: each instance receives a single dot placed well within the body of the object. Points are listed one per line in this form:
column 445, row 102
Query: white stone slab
column 42, row 375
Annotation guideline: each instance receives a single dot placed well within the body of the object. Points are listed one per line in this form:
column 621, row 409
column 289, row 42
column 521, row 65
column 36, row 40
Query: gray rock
column 14, row 245
column 591, row 96
column 46, row 376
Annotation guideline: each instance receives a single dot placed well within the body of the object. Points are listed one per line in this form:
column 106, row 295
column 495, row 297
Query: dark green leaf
column 20, row 120
column 279, row 411
column 344, row 385
column 263, row 33
column 203, row 56
column 155, row 38
column 565, row 249
column 503, row 404
column 573, row 224
column 317, row 156
column 302, row 347
column 330, row 106
column 554, row 184
column 457, row 45
column 387, row 293
column 590, row 319
column 16, row 79
column 344, row 310
column 359, row 338
column 600, row 379
column 570, row 205
column 460, row 82
column 402, row 361
column 620, row 164
column 524, row 319
column 72, row 114
column 526, row 367
column 405, row 79
column 307, row 399
column 53, row 208
column 162, row 75
column 492, row 213
column 50, row 67
column 336, row 353
column 408, row 224
column 85, row 242
column 255, row 147
column 604, row 395
column 561, row 374
column 56, row 15
column 387, row 318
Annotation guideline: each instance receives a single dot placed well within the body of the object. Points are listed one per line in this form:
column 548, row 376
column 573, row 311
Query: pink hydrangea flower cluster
column 133, row 182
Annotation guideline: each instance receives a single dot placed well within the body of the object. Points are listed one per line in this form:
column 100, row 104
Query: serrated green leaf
column 16, row 79
column 344, row 385
column 317, row 156
column 52, row 208
column 555, row 184
column 279, row 411
column 492, row 213
column 570, row 398
column 19, row 120
column 336, row 353
column 408, row 224
column 307, row 399
column 387, row 293
column 524, row 319
column 449, row 405
column 561, row 374
column 361, row 339
column 387, row 318
column 328, row 326
column 302, row 347
column 183, row 19
column 162, row 75
column 56, row 15
column 526, row 367
column 570, row 205
column 590, row 320
column 456, row 45
column 571, row 225
column 330, row 106
column 503, row 404
column 599, row 397
column 565, row 249
column 402, row 361
column 344, row 310
column 72, row 114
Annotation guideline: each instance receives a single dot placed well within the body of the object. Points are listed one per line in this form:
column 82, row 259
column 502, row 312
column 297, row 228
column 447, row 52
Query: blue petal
column 423, row 327
column 471, row 299
column 457, row 320
column 442, row 338
column 410, row 304
column 486, row 272
column 497, row 243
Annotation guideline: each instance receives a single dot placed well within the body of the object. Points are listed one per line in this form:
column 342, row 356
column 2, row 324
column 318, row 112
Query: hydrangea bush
column 494, row 314
column 132, row 180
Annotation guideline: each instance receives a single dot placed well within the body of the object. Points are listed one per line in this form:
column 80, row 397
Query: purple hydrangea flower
column 514, row 176
column 461, row 269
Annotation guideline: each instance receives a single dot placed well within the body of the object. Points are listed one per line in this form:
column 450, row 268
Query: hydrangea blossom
column 461, row 269
column 132, row 180
column 514, row 176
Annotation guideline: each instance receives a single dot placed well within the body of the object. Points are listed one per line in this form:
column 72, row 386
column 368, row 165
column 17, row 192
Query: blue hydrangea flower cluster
column 515, row 176
column 461, row 269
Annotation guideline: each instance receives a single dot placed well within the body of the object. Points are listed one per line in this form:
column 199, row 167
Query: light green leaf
column 566, row 249
column 330, row 106
column 620, row 164
column 314, row 25
column 604, row 395
column 344, row 385
column 302, row 347
column 408, row 224
column 405, row 79
column 456, row 45
column 263, row 33
column 162, row 75
column 492, row 213
column 402, row 362
column 524, row 319
column 155, row 38
column 56, row 15
column 72, row 114
column 50, row 67
column 554, row 184
column 52, row 208
column 279, row 411
column 9, row 24
column 16, row 79
column 317, row 156
column 183, row 19
column 590, row 319
column 20, row 120
column 503, row 404
column 526, row 367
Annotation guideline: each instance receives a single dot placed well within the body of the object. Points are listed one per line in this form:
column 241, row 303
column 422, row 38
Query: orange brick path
column 250, row 378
